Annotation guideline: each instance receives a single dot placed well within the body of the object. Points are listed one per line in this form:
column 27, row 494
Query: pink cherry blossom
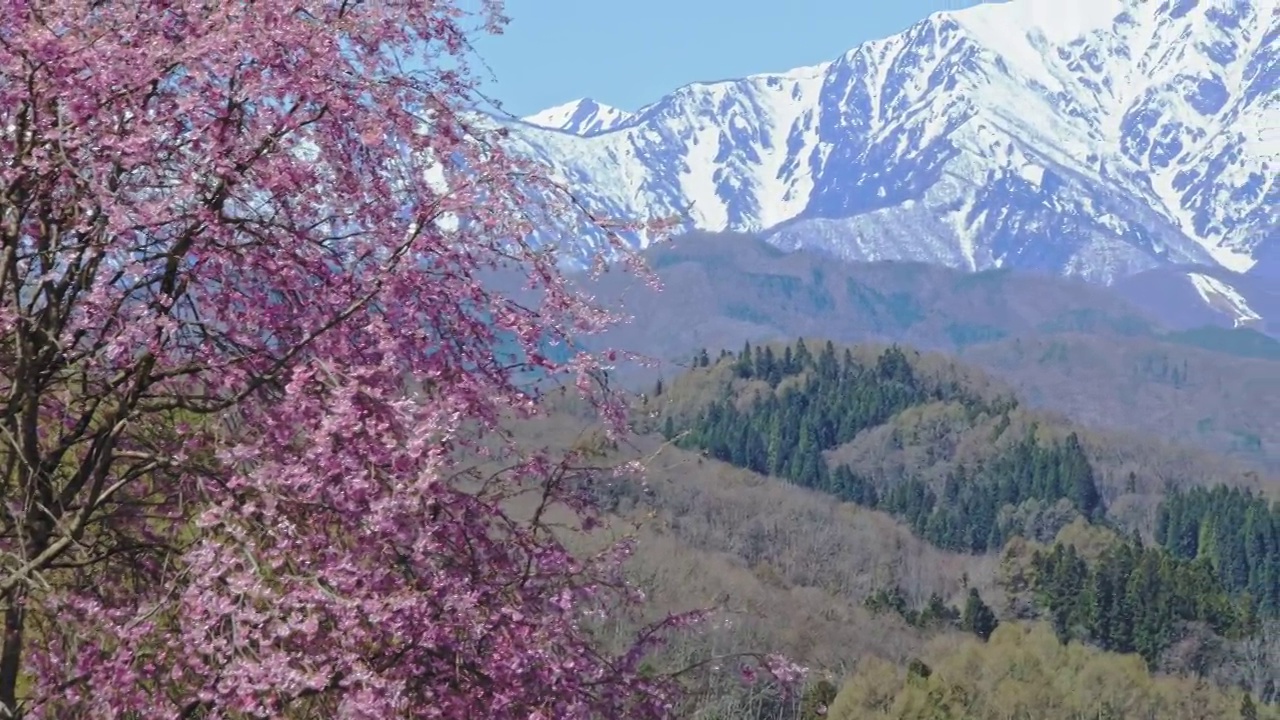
column 254, row 384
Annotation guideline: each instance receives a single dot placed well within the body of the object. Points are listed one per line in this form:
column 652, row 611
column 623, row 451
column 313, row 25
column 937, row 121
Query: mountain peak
column 583, row 116
column 1058, row 22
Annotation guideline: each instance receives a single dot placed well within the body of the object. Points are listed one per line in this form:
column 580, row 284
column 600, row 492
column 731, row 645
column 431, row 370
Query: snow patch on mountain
column 1224, row 298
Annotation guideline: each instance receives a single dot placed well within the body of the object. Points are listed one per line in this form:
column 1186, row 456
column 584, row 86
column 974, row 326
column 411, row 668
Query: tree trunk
column 11, row 653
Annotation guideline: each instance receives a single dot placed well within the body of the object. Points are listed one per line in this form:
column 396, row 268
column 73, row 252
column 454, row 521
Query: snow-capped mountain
column 1097, row 138
column 580, row 117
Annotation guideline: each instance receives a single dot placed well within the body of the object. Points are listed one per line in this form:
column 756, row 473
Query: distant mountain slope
column 719, row 290
column 1170, row 389
column 1186, row 297
column 1241, row 342
column 1268, row 265
column 1098, row 138
column 1065, row 344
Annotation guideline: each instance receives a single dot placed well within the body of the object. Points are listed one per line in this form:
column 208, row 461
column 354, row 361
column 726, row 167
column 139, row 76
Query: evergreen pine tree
column 776, row 451
column 745, row 366
column 768, row 368
column 668, row 428
column 803, row 358
column 978, row 617
column 1248, row 711
column 1079, row 478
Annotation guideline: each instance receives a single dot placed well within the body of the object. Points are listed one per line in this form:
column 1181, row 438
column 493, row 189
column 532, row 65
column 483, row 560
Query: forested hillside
column 1062, row 344
column 856, row 597
column 1187, row 568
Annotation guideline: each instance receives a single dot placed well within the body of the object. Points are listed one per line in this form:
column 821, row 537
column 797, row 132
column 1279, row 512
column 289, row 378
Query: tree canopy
column 252, row 376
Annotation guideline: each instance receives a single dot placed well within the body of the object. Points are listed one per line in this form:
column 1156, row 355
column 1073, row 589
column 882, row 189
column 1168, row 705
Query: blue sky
column 631, row 52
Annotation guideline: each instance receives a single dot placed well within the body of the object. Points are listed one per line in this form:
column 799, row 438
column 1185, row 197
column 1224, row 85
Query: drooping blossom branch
column 247, row 348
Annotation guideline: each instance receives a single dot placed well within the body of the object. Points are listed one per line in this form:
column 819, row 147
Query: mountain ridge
column 583, row 116
column 976, row 139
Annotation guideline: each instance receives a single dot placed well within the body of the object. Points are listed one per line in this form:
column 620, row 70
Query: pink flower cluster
column 243, row 296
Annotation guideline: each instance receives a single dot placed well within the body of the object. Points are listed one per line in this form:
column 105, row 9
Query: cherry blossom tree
column 253, row 385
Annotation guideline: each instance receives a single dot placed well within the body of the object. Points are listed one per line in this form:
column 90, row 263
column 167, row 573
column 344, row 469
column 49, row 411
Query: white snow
column 699, row 185
column 1059, row 22
column 790, row 109
column 1224, row 298
column 580, row 116
column 1032, row 173
column 1228, row 257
